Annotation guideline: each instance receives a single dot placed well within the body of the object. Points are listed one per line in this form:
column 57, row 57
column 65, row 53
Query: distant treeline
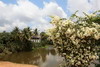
column 19, row 40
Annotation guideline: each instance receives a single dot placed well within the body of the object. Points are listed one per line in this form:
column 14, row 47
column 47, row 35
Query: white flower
column 93, row 56
column 78, row 63
column 72, row 61
column 56, row 18
column 97, row 36
column 91, row 15
column 69, row 31
column 58, row 35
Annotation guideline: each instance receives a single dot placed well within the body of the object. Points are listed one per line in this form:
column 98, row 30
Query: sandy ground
column 9, row 64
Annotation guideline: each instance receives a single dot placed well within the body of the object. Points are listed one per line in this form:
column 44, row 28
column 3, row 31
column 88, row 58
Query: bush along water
column 21, row 40
column 15, row 41
column 77, row 38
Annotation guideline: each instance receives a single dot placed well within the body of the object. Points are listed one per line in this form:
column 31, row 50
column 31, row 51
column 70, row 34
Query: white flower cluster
column 75, row 41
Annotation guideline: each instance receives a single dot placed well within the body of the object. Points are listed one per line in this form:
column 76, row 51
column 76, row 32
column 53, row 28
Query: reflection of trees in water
column 33, row 57
column 36, row 57
column 23, row 57
column 52, row 51
column 43, row 53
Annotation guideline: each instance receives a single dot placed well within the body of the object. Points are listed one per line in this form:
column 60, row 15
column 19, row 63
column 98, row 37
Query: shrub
column 76, row 39
column 1, row 48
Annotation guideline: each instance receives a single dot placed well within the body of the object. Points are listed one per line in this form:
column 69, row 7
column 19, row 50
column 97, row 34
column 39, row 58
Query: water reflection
column 41, row 57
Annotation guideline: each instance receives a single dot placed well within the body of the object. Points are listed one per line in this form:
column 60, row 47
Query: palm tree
column 27, row 32
column 26, row 35
column 36, row 32
column 16, row 33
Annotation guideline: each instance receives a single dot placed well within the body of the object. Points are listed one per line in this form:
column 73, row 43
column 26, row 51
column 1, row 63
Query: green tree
column 16, row 33
column 27, row 32
column 44, row 39
column 36, row 31
column 16, row 40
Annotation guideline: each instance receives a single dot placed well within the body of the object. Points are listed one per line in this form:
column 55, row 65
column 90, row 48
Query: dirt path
column 9, row 64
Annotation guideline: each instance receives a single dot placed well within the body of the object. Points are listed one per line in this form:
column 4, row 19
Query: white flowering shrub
column 76, row 40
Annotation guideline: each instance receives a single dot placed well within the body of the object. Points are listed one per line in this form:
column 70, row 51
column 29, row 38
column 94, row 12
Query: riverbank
column 42, row 57
column 5, row 52
column 10, row 64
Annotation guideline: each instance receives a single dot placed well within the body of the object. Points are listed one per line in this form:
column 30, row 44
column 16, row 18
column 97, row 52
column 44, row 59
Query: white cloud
column 19, row 24
column 5, row 27
column 83, row 6
column 53, row 9
column 95, row 5
column 26, row 13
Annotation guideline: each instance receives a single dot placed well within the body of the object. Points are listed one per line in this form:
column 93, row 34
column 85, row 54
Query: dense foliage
column 44, row 39
column 20, row 40
column 15, row 41
column 77, row 38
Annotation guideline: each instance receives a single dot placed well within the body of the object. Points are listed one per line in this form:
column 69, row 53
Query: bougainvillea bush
column 77, row 38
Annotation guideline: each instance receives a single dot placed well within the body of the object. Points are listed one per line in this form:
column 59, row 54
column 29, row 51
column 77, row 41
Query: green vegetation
column 44, row 39
column 36, row 32
column 15, row 41
column 77, row 38
column 20, row 40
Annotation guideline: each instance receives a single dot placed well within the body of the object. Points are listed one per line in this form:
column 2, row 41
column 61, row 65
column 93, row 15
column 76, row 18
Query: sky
column 35, row 13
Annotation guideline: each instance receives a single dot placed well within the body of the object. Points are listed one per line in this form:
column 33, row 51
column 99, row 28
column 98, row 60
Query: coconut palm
column 27, row 32
column 16, row 33
column 36, row 32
